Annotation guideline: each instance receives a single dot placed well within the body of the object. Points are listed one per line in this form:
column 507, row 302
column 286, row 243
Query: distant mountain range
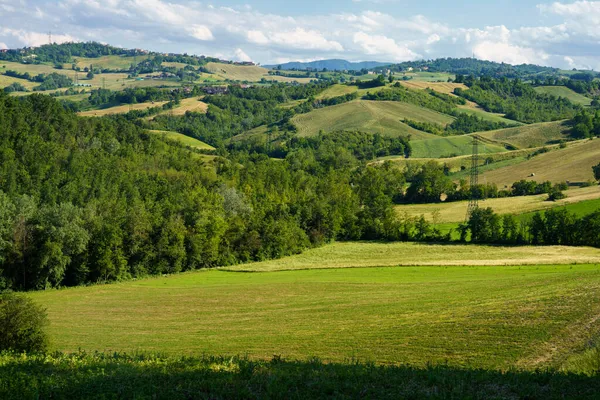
column 331, row 65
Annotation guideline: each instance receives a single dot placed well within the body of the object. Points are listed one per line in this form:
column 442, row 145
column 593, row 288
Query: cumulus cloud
column 201, row 32
column 200, row 28
column 508, row 53
column 240, row 55
column 383, row 46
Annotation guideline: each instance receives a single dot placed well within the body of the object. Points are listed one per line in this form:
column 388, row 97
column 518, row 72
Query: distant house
column 215, row 89
column 3, row 50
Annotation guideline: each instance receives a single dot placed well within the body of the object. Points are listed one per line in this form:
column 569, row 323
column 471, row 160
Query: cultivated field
column 488, row 116
column 449, row 146
column 123, row 109
column 368, row 116
column 563, row 91
column 187, row 140
column 251, row 73
column 528, row 136
column 193, row 104
column 573, row 164
column 9, row 80
column 118, row 81
column 336, row 90
column 456, row 211
column 490, row 317
column 442, row 87
column 110, row 62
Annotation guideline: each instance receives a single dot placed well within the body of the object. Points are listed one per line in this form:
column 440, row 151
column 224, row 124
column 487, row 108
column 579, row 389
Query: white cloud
column 240, row 55
column 301, row 38
column 382, row 45
column 433, row 38
column 200, row 28
column 201, row 32
column 257, row 37
column 511, row 54
column 3, row 46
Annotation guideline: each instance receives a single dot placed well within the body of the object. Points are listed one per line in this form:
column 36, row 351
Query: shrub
column 22, row 324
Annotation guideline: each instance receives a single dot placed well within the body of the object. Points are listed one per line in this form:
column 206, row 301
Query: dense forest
column 63, row 53
column 472, row 66
column 87, row 200
column 518, row 100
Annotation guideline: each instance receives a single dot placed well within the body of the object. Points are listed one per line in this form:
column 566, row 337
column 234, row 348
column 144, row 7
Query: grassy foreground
column 478, row 317
column 104, row 376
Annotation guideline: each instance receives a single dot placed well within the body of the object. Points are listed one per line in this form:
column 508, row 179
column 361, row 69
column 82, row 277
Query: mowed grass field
column 368, row 116
column 457, row 210
column 449, row 146
column 488, row 116
column 563, row 91
column 442, row 87
column 187, row 140
column 573, row 163
column 193, row 104
column 251, row 73
column 528, row 136
column 122, row 109
column 110, row 62
column 9, row 80
column 482, row 316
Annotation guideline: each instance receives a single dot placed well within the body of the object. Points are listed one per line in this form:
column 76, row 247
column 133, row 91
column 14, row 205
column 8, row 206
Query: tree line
column 517, row 100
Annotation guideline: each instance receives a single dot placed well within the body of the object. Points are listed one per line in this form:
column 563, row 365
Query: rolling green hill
column 451, row 146
column 563, row 91
column 337, row 314
column 188, row 141
column 369, row 116
column 529, row 136
column 573, row 164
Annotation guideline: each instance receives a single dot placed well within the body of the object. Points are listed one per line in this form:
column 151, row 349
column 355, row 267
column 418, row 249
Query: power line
column 474, row 182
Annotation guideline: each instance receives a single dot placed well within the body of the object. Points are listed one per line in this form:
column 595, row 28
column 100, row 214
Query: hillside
column 448, row 147
column 330, row 65
column 457, row 210
column 369, row 116
column 529, row 136
column 251, row 73
column 573, row 164
column 562, row 91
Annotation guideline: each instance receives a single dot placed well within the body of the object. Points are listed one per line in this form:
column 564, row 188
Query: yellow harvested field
column 369, row 254
column 456, row 211
column 573, row 164
column 120, row 109
column 9, row 80
column 250, row 73
column 442, row 87
column 193, row 104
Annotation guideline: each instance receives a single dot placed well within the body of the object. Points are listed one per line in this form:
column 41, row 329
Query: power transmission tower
column 474, row 200
column 50, row 37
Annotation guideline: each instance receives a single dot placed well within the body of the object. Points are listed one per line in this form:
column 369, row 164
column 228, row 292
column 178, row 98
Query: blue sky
column 559, row 33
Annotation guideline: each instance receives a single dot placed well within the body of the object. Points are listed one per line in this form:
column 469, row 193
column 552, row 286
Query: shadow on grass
column 108, row 376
